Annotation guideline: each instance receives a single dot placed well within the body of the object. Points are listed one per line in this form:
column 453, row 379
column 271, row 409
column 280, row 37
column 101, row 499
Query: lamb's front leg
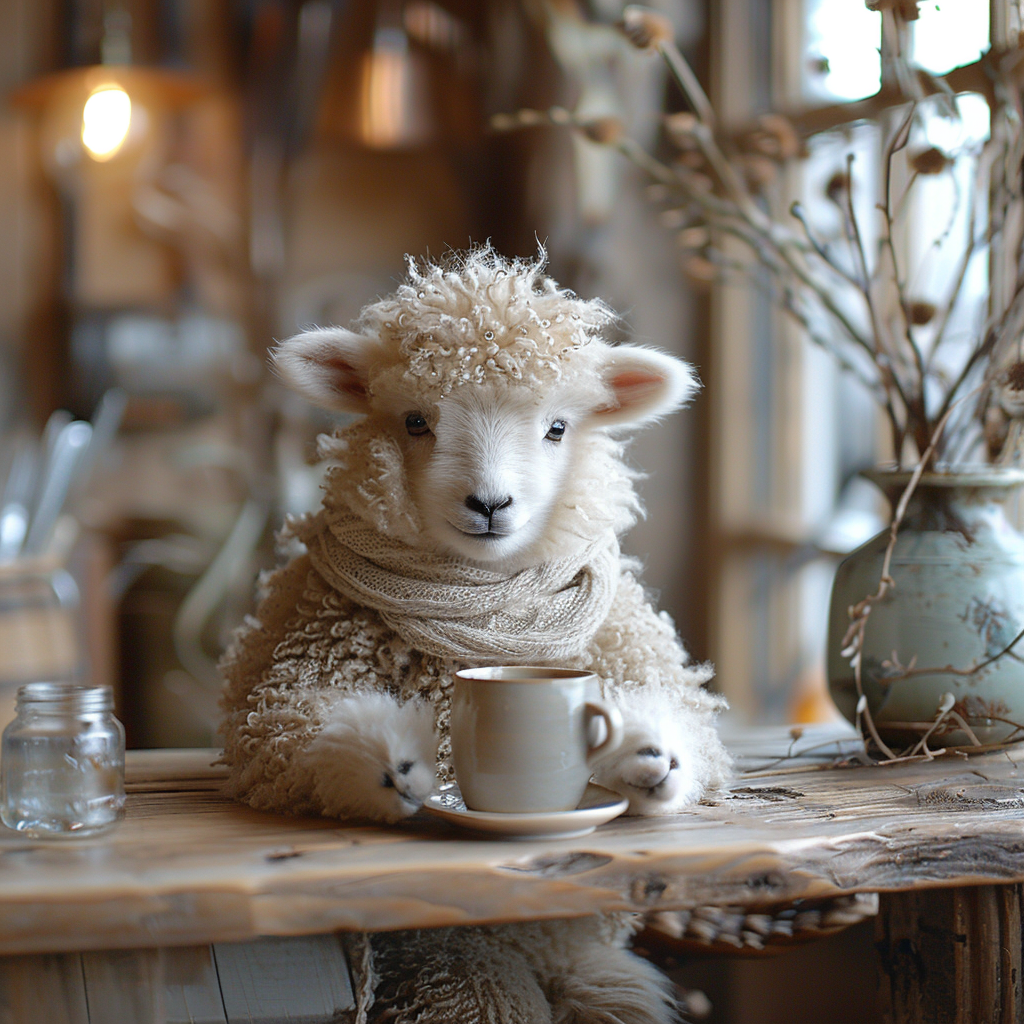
column 654, row 767
column 671, row 754
column 374, row 758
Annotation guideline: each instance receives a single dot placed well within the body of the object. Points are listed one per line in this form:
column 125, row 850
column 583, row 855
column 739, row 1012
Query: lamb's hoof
column 651, row 769
column 411, row 783
column 653, row 773
column 652, row 777
column 374, row 758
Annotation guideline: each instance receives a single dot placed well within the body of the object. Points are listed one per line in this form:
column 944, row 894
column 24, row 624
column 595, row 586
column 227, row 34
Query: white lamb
column 471, row 517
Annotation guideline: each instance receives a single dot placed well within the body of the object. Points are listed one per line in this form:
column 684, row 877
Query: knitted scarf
column 454, row 610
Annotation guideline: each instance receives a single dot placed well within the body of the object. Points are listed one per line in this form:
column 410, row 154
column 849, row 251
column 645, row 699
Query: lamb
column 471, row 516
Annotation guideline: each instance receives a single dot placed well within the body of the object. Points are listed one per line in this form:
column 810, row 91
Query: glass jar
column 62, row 763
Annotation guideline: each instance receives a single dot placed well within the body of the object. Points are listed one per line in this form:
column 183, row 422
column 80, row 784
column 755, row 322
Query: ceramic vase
column 957, row 604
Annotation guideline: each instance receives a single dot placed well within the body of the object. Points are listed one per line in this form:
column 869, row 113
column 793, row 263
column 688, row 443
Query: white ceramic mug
column 521, row 736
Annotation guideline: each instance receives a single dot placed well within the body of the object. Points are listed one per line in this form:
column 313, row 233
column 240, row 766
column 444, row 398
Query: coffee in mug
column 521, row 736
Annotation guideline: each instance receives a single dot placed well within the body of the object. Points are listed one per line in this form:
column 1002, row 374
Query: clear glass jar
column 62, row 762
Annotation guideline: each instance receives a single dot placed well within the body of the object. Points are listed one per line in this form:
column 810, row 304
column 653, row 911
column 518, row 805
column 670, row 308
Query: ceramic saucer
column 597, row 806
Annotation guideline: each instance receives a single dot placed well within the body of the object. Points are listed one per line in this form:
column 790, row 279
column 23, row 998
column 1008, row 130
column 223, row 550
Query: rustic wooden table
column 199, row 877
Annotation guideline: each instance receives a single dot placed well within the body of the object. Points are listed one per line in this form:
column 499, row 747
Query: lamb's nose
column 487, row 509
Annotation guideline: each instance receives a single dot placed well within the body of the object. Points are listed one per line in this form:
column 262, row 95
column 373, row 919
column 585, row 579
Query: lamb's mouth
column 650, row 791
column 486, row 535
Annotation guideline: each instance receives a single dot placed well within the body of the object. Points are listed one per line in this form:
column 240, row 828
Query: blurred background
column 182, row 181
column 186, row 180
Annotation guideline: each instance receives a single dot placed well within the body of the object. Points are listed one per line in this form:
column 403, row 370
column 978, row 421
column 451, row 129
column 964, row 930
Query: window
column 790, row 431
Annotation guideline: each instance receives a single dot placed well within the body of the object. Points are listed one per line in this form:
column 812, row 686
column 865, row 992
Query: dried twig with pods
column 852, row 293
column 854, row 299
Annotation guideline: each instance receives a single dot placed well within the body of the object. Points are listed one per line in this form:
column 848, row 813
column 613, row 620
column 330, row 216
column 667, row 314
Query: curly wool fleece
column 479, row 319
column 310, row 644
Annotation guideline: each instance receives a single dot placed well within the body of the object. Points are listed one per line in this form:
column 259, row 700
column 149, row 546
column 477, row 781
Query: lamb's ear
column 328, row 366
column 644, row 385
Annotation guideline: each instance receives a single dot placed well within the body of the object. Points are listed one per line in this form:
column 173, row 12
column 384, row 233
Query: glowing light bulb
column 106, row 118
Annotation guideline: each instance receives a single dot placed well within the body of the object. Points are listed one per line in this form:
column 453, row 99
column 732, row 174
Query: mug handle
column 613, row 727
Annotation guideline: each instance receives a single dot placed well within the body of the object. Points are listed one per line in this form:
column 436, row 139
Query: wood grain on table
column 188, row 866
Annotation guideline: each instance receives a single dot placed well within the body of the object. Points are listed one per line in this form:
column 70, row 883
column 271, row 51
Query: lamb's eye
column 556, row 431
column 416, row 424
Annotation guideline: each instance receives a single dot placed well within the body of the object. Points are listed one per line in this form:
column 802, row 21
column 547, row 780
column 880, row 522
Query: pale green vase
column 958, row 601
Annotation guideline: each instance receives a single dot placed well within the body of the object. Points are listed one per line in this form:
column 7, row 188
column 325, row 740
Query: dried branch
column 852, row 227
column 788, row 305
column 897, row 144
column 948, row 700
column 797, row 210
column 976, row 77
column 770, row 243
column 816, row 287
column 961, row 273
column 687, row 81
column 883, row 356
column 950, row 670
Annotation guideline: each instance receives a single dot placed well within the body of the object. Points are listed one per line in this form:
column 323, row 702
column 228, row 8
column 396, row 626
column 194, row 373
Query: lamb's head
column 491, row 406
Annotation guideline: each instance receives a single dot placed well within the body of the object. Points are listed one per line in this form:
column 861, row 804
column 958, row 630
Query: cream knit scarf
column 445, row 607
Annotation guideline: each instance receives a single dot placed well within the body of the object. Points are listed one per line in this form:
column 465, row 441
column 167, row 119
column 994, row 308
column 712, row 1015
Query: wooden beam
column 975, row 77
column 952, row 956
